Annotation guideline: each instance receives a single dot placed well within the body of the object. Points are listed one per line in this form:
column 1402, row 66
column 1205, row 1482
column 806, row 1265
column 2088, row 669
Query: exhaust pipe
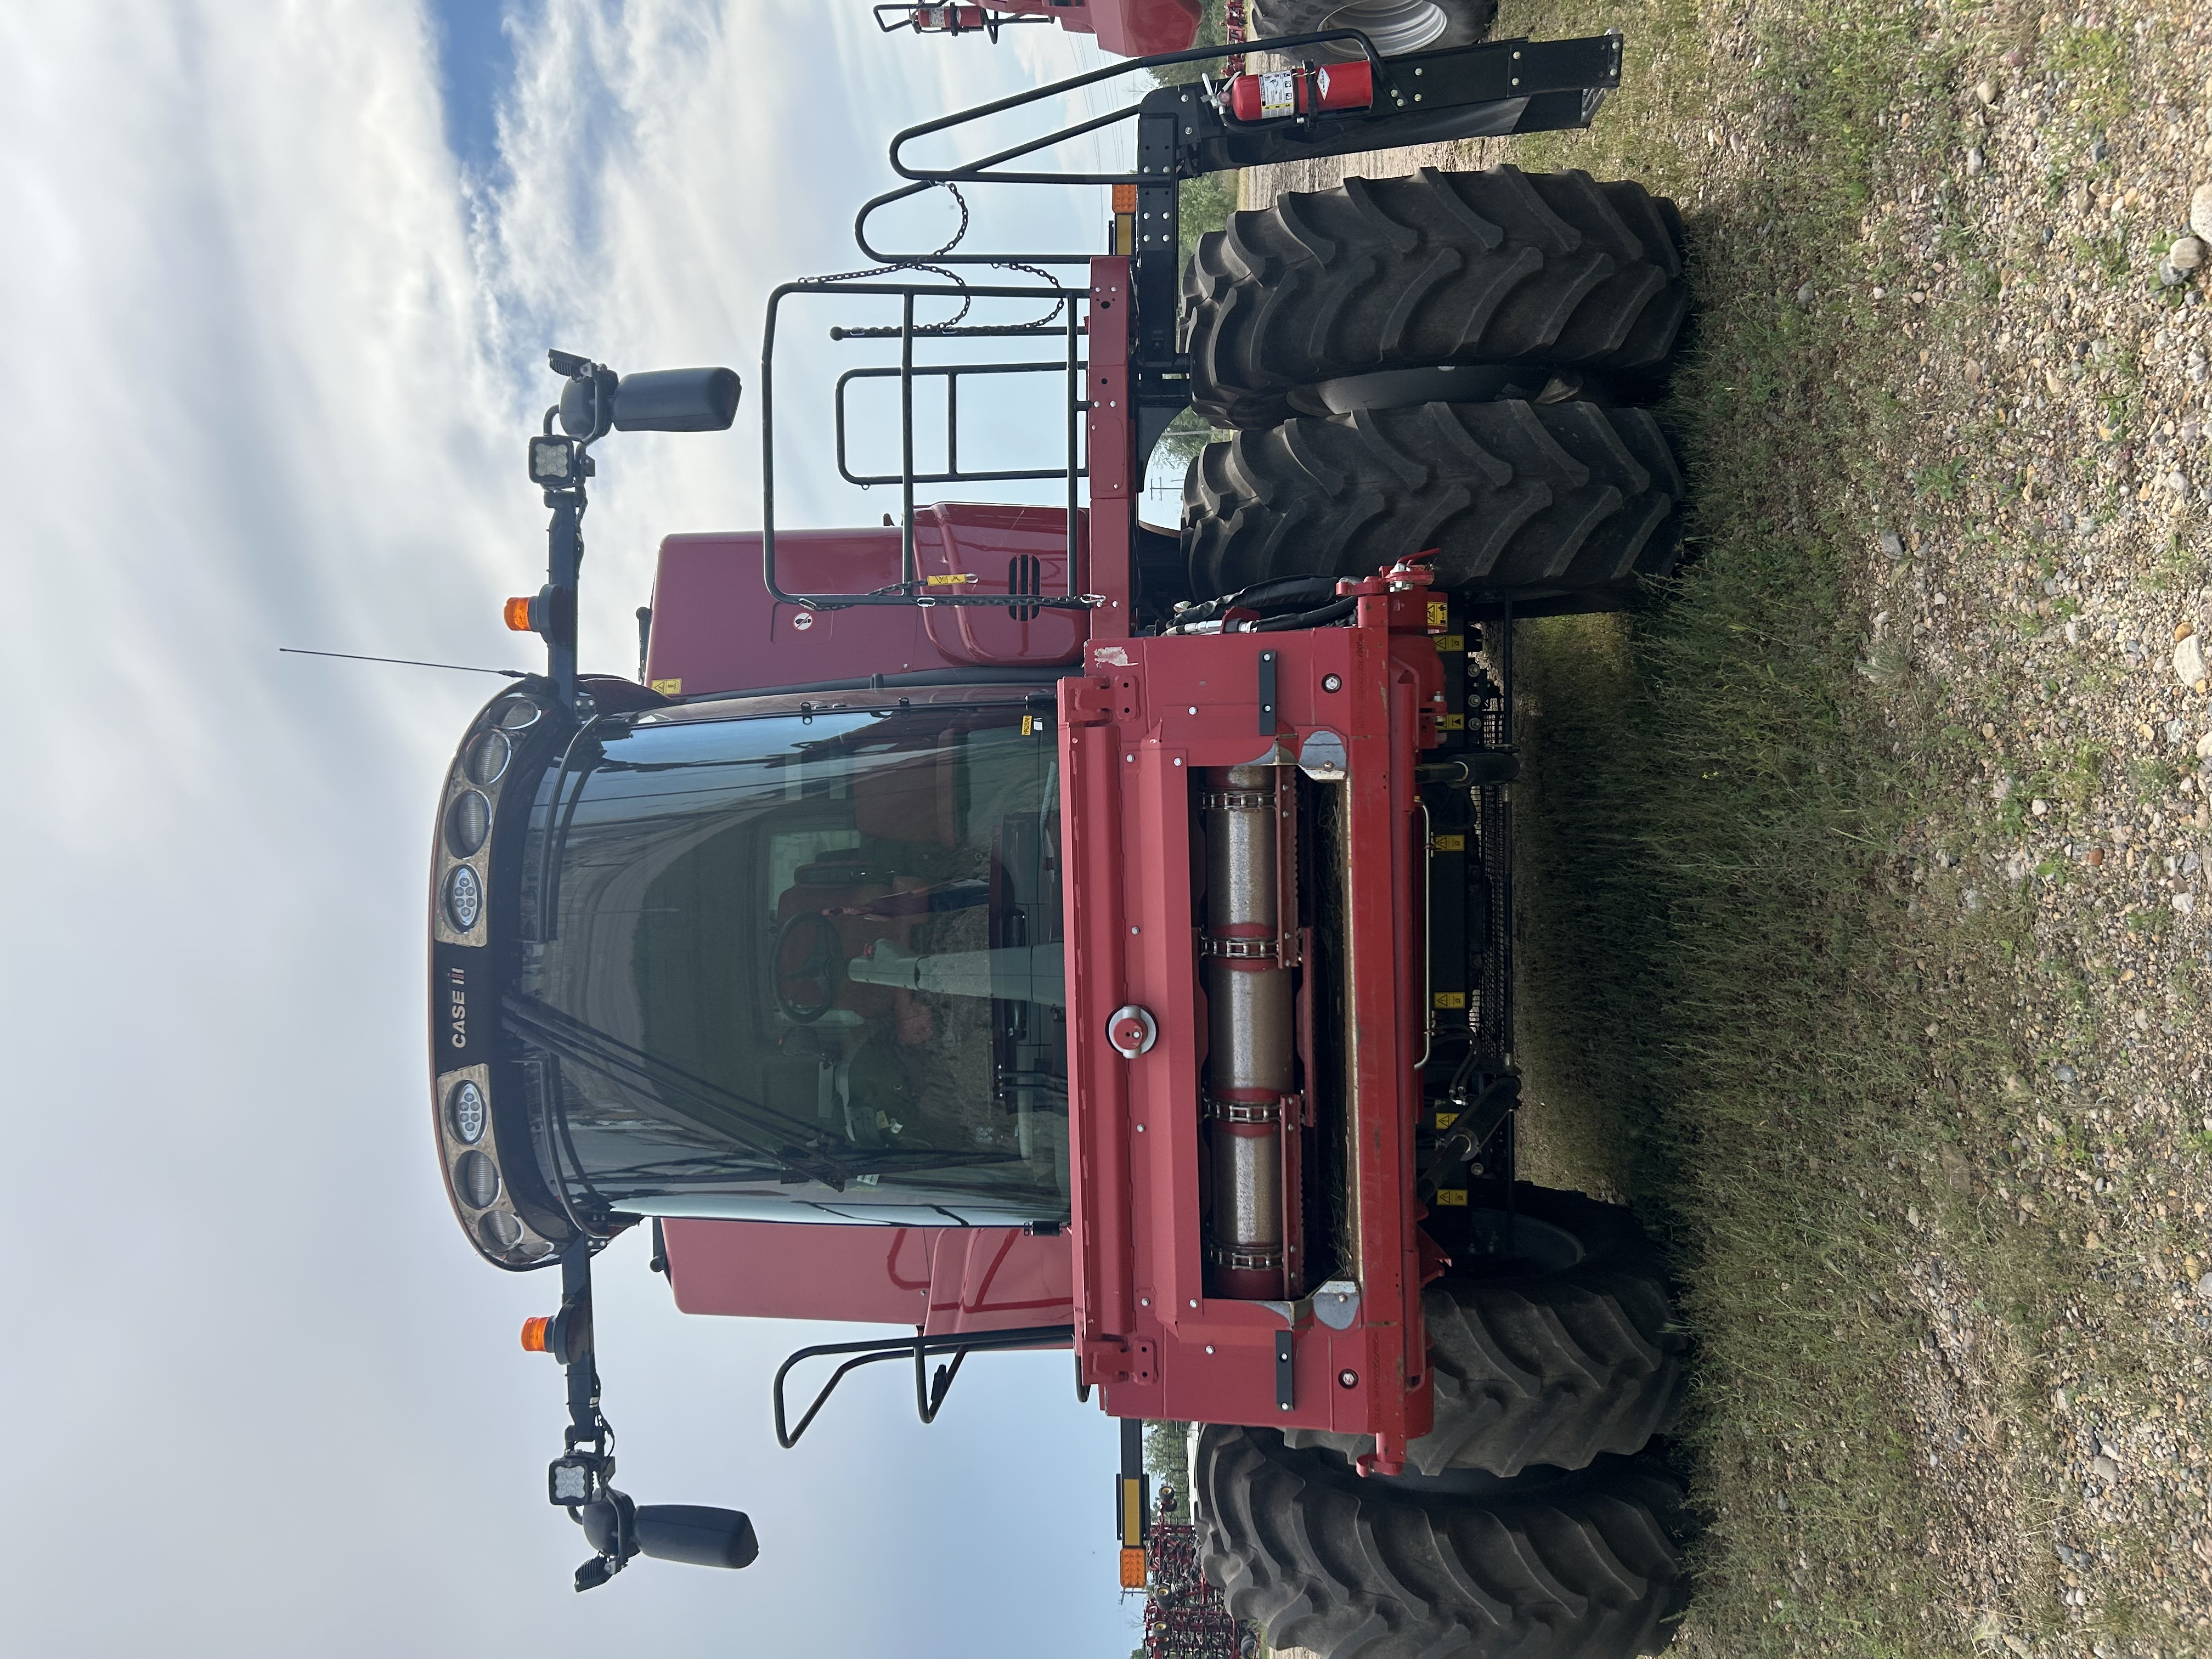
column 1252, row 1069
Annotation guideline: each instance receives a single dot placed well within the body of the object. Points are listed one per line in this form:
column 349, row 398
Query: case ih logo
column 457, row 1006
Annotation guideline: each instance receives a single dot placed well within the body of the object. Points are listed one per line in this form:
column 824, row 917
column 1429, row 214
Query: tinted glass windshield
column 807, row 961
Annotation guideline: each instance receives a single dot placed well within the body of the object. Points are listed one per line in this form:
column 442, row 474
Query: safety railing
column 951, row 373
column 912, row 587
column 987, row 169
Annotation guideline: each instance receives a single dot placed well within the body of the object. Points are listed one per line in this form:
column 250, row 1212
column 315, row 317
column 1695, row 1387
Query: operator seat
column 845, row 880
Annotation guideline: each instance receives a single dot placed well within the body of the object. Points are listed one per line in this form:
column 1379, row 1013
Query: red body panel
column 1152, row 710
column 1129, row 29
column 1137, row 28
column 716, row 630
column 1110, row 441
column 943, row 1279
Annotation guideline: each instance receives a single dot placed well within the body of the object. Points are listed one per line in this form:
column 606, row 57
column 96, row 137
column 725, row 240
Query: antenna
column 404, row 662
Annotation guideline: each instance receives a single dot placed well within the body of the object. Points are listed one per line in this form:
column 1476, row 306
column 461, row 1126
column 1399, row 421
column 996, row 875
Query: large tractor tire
column 1557, row 1354
column 1394, row 26
column 1547, row 1566
column 1550, row 506
column 1441, row 268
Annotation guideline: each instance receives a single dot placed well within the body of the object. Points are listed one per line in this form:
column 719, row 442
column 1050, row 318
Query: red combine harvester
column 1035, row 929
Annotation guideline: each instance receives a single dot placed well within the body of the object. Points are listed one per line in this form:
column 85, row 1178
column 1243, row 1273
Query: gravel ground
column 2035, row 572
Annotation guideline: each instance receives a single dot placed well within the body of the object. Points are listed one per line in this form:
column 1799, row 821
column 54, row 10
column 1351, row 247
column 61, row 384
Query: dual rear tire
column 1455, row 363
column 1449, row 361
column 1534, row 1520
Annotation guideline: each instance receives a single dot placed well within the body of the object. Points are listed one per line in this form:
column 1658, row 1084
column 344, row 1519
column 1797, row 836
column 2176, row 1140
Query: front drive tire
column 1561, row 1357
column 1577, row 1567
column 1550, row 506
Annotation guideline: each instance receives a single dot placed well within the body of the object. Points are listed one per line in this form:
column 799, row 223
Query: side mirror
column 693, row 1533
column 677, row 400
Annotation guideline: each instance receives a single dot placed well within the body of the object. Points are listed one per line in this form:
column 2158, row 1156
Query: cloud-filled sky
column 279, row 282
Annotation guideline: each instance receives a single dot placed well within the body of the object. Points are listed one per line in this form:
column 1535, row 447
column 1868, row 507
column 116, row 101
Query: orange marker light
column 536, row 1333
column 1125, row 198
column 517, row 614
column 1133, row 1569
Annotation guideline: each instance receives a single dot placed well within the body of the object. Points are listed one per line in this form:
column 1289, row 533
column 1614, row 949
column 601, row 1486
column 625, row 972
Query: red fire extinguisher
column 1273, row 94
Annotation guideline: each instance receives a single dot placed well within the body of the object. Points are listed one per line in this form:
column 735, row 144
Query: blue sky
column 475, row 66
column 279, row 285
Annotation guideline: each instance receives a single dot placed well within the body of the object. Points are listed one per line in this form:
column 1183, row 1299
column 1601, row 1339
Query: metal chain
column 959, row 235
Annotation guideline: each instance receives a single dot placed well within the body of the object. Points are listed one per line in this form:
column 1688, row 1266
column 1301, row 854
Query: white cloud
column 264, row 394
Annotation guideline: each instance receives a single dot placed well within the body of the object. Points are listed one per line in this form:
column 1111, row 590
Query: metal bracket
column 1336, row 1303
column 1286, row 1372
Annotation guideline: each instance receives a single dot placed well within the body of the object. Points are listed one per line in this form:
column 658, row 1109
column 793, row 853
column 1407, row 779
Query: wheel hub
column 1397, row 26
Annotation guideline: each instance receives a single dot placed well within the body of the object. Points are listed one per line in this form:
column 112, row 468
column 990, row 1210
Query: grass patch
column 1745, row 953
column 1777, row 917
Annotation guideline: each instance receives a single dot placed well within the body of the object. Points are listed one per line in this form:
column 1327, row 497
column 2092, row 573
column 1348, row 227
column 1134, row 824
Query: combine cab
column 1033, row 929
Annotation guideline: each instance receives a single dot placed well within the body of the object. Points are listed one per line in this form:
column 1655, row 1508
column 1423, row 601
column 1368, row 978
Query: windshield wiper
column 586, row 1045
column 909, row 1158
column 692, row 1171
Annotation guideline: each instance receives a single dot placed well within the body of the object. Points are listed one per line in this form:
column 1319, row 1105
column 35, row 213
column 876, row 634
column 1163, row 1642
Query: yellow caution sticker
column 1454, row 1196
column 1452, row 642
column 1439, row 614
column 959, row 579
column 1445, row 1119
column 1028, row 726
column 1449, row 844
column 1452, row 998
column 1451, row 722
column 669, row 688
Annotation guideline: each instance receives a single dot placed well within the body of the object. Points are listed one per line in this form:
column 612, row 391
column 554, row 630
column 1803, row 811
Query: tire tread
column 1559, row 1370
column 1495, row 266
column 1586, row 1567
column 1567, row 504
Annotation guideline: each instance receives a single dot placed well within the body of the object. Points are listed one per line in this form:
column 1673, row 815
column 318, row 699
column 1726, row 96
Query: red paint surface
column 1110, row 442
column 1129, row 29
column 943, row 1279
column 1136, row 28
column 716, row 630
column 1150, row 711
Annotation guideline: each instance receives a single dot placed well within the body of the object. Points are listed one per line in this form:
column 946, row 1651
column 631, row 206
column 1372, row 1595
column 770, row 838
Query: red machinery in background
column 1128, row 29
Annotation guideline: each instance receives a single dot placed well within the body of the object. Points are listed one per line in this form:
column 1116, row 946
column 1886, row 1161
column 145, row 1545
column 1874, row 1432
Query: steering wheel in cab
column 820, row 969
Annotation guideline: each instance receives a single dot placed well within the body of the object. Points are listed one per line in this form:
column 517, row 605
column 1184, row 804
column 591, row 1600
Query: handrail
column 905, row 590
column 950, row 373
column 928, row 1394
column 978, row 171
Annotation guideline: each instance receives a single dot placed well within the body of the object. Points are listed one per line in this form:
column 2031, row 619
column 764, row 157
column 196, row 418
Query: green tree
column 1166, row 1461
